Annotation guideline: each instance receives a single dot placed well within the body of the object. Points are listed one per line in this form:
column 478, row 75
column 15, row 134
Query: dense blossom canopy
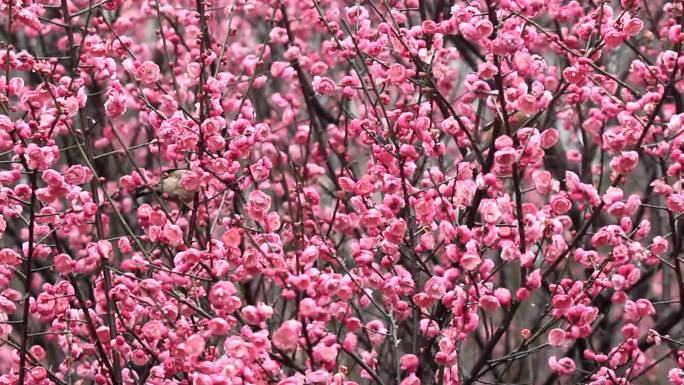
column 313, row 192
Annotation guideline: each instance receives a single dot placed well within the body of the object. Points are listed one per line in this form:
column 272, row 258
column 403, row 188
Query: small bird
column 515, row 121
column 169, row 187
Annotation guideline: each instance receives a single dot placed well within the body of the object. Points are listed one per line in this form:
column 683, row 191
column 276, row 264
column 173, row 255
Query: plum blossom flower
column 287, row 335
column 565, row 366
column 258, row 204
column 148, row 72
column 435, row 287
column 557, row 337
column 323, row 86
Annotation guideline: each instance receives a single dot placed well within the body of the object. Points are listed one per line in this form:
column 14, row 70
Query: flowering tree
column 335, row 192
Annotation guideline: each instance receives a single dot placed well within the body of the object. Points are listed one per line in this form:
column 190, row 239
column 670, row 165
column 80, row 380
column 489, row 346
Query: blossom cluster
column 314, row 192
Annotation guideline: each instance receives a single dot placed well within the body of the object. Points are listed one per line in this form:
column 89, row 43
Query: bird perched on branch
column 170, row 187
column 516, row 120
column 495, row 128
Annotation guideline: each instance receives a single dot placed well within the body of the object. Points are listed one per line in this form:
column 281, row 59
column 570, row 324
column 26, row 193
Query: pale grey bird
column 169, row 187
